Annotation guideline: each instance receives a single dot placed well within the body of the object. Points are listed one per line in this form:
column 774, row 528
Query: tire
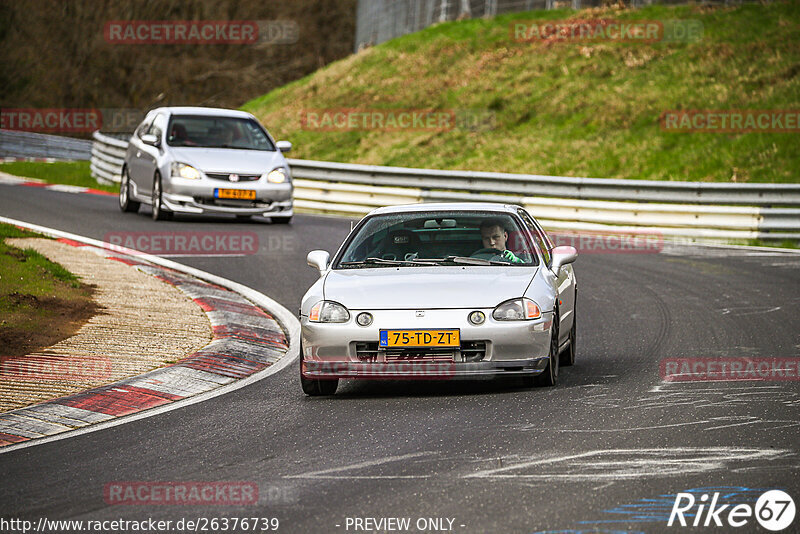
column 549, row 377
column 159, row 214
column 280, row 220
column 243, row 218
column 126, row 205
column 568, row 356
column 316, row 388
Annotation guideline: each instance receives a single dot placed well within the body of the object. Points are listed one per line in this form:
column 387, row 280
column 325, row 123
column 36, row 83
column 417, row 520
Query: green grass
column 59, row 172
column 564, row 109
column 40, row 301
column 26, row 271
column 786, row 243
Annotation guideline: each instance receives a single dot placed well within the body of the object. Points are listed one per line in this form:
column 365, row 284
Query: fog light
column 364, row 319
column 477, row 317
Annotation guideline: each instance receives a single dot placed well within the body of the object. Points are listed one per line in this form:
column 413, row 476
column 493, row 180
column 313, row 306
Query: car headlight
column 517, row 310
column 182, row 170
column 327, row 311
column 277, row 176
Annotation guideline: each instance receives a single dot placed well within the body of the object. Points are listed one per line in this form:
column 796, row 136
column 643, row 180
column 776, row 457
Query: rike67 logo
column 774, row 510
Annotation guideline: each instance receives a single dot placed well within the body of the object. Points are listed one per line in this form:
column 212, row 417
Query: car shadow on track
column 370, row 389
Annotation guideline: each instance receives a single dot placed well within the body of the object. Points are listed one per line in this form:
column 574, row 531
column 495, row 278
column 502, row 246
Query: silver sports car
column 438, row 291
column 206, row 160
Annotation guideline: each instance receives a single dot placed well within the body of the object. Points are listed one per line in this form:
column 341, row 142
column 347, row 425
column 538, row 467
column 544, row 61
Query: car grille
column 226, row 176
column 421, row 355
column 471, row 351
column 367, row 351
column 232, row 203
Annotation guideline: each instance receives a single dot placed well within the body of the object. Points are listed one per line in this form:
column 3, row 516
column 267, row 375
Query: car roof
column 446, row 206
column 197, row 110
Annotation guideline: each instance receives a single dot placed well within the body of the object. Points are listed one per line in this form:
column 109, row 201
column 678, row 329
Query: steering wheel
column 490, row 252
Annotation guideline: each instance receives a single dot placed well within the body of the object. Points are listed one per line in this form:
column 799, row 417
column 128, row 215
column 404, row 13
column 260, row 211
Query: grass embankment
column 59, row 172
column 41, row 303
column 565, row 109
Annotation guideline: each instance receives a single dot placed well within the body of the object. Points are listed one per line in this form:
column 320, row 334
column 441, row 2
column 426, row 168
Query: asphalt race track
column 606, row 450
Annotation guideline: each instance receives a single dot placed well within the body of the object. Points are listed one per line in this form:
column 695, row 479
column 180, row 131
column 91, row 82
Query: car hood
column 427, row 287
column 229, row 160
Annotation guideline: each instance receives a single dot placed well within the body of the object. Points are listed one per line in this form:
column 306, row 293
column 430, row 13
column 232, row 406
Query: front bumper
column 337, row 350
column 197, row 196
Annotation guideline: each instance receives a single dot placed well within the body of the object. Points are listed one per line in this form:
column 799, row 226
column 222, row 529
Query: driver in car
column 494, row 237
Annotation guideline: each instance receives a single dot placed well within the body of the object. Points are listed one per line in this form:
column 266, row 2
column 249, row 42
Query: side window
column 542, row 241
column 158, row 126
column 550, row 244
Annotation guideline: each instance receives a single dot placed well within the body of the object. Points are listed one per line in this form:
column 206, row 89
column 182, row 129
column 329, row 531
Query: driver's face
column 494, row 237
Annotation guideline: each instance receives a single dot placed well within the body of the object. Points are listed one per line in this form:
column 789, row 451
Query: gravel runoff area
column 145, row 324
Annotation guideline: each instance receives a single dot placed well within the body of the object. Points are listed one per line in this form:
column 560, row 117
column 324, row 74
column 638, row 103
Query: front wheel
column 549, row 377
column 125, row 203
column 316, row 388
column 280, row 220
column 159, row 213
column 568, row 357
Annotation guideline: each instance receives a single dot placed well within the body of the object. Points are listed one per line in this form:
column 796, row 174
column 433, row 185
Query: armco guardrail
column 36, row 145
column 108, row 155
column 553, row 186
column 672, row 209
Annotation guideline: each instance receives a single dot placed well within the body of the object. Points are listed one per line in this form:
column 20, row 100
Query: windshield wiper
column 382, row 261
column 465, row 260
column 231, row 147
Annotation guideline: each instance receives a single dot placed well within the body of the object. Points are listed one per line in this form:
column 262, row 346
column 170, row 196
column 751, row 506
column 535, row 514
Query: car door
column 148, row 155
column 565, row 281
column 133, row 155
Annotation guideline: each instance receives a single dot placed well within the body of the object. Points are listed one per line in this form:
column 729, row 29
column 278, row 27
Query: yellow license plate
column 240, row 194
column 420, row 338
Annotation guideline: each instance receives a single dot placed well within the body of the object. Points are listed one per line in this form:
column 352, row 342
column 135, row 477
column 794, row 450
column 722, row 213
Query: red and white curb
column 9, row 179
column 249, row 344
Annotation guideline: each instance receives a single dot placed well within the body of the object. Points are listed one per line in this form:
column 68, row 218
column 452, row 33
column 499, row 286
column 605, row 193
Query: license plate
column 420, row 338
column 239, row 194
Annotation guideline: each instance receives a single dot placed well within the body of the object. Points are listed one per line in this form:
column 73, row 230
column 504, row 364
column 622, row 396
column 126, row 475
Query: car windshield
column 217, row 132
column 438, row 238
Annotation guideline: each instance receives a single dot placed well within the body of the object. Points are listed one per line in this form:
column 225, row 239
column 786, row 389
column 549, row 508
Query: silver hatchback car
column 206, row 160
column 439, row 291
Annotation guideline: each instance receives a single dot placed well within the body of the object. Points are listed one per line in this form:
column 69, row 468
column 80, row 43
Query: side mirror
column 150, row 139
column 562, row 256
column 318, row 259
column 284, row 146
